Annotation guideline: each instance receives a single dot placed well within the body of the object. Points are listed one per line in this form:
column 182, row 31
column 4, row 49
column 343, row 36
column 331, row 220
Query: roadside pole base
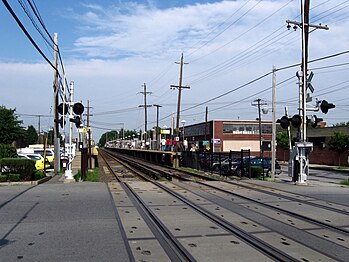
column 67, row 180
column 68, row 177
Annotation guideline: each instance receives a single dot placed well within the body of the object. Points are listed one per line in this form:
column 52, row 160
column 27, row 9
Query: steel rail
column 311, row 220
column 170, row 244
column 290, row 197
column 256, row 243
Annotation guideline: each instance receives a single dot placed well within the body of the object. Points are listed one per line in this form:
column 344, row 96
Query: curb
column 26, row 183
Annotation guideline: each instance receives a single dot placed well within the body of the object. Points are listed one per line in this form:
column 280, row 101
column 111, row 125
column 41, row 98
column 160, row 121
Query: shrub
column 3, row 178
column 39, row 174
column 14, row 177
column 24, row 167
column 256, row 171
column 7, row 151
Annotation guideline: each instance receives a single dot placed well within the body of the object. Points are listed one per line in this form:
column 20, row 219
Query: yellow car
column 39, row 160
column 49, row 155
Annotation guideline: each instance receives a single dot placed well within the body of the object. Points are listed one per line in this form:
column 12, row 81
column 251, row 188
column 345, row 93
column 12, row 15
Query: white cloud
column 125, row 45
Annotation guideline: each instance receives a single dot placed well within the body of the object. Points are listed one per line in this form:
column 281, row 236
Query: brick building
column 225, row 135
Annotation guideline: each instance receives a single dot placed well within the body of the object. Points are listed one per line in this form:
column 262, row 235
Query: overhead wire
column 226, row 28
column 8, row 7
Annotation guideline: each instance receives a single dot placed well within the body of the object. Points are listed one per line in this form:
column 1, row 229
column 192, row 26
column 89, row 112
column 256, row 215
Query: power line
column 27, row 34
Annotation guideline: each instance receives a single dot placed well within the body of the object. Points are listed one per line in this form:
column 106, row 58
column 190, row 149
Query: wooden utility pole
column 258, row 102
column 145, row 93
column 179, row 87
column 89, row 134
column 55, row 90
column 157, row 126
column 273, row 135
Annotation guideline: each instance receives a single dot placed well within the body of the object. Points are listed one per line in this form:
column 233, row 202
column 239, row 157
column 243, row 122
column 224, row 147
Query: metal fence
column 225, row 164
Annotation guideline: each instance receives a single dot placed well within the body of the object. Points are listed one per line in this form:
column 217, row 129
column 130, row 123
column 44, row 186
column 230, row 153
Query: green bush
column 39, row 174
column 14, row 177
column 24, row 167
column 7, row 151
column 3, row 178
column 256, row 171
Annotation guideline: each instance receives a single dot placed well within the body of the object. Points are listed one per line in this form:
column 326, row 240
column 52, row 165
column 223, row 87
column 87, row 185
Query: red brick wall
column 318, row 156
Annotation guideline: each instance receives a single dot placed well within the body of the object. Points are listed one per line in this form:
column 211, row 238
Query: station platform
column 56, row 221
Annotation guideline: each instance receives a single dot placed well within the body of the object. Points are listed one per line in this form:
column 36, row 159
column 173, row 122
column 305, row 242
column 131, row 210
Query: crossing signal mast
column 76, row 108
column 299, row 157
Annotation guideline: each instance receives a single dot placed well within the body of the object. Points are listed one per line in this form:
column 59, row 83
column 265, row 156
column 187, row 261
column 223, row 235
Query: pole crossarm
column 300, row 25
column 180, row 87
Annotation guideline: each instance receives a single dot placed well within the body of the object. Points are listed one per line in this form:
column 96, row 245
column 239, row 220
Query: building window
column 246, row 128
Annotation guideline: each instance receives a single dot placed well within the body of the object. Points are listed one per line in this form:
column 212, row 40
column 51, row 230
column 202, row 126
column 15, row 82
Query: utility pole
column 39, row 127
column 303, row 161
column 273, row 131
column 68, row 175
column 258, row 102
column 55, row 105
column 145, row 93
column 89, row 134
column 206, row 116
column 179, row 87
column 157, row 126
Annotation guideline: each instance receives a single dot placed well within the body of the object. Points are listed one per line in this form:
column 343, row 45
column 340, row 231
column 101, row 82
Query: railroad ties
column 171, row 215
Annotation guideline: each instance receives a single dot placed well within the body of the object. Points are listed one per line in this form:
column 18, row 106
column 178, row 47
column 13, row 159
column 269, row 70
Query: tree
column 31, row 135
column 115, row 135
column 7, row 151
column 342, row 124
column 339, row 143
column 10, row 127
column 282, row 141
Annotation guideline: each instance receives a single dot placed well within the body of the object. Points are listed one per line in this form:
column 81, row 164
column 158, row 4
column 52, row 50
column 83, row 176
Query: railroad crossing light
column 296, row 121
column 78, row 108
column 61, row 121
column 325, row 106
column 77, row 121
column 284, row 122
column 313, row 120
column 62, row 108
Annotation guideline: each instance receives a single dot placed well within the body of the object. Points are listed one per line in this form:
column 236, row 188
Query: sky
column 110, row 49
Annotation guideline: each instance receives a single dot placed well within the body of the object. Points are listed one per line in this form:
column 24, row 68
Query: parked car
column 217, row 164
column 265, row 162
column 39, row 160
column 224, row 164
column 50, row 156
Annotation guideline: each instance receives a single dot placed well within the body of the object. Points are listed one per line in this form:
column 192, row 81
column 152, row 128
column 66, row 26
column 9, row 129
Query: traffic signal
column 61, row 121
column 284, row 122
column 62, row 108
column 325, row 106
column 77, row 121
column 78, row 108
column 296, row 121
column 313, row 120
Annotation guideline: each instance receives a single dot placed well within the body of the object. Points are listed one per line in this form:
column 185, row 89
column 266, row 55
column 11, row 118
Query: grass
column 92, row 175
column 342, row 168
column 345, row 182
column 192, row 170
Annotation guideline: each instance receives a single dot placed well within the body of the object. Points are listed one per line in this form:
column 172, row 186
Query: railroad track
column 261, row 229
